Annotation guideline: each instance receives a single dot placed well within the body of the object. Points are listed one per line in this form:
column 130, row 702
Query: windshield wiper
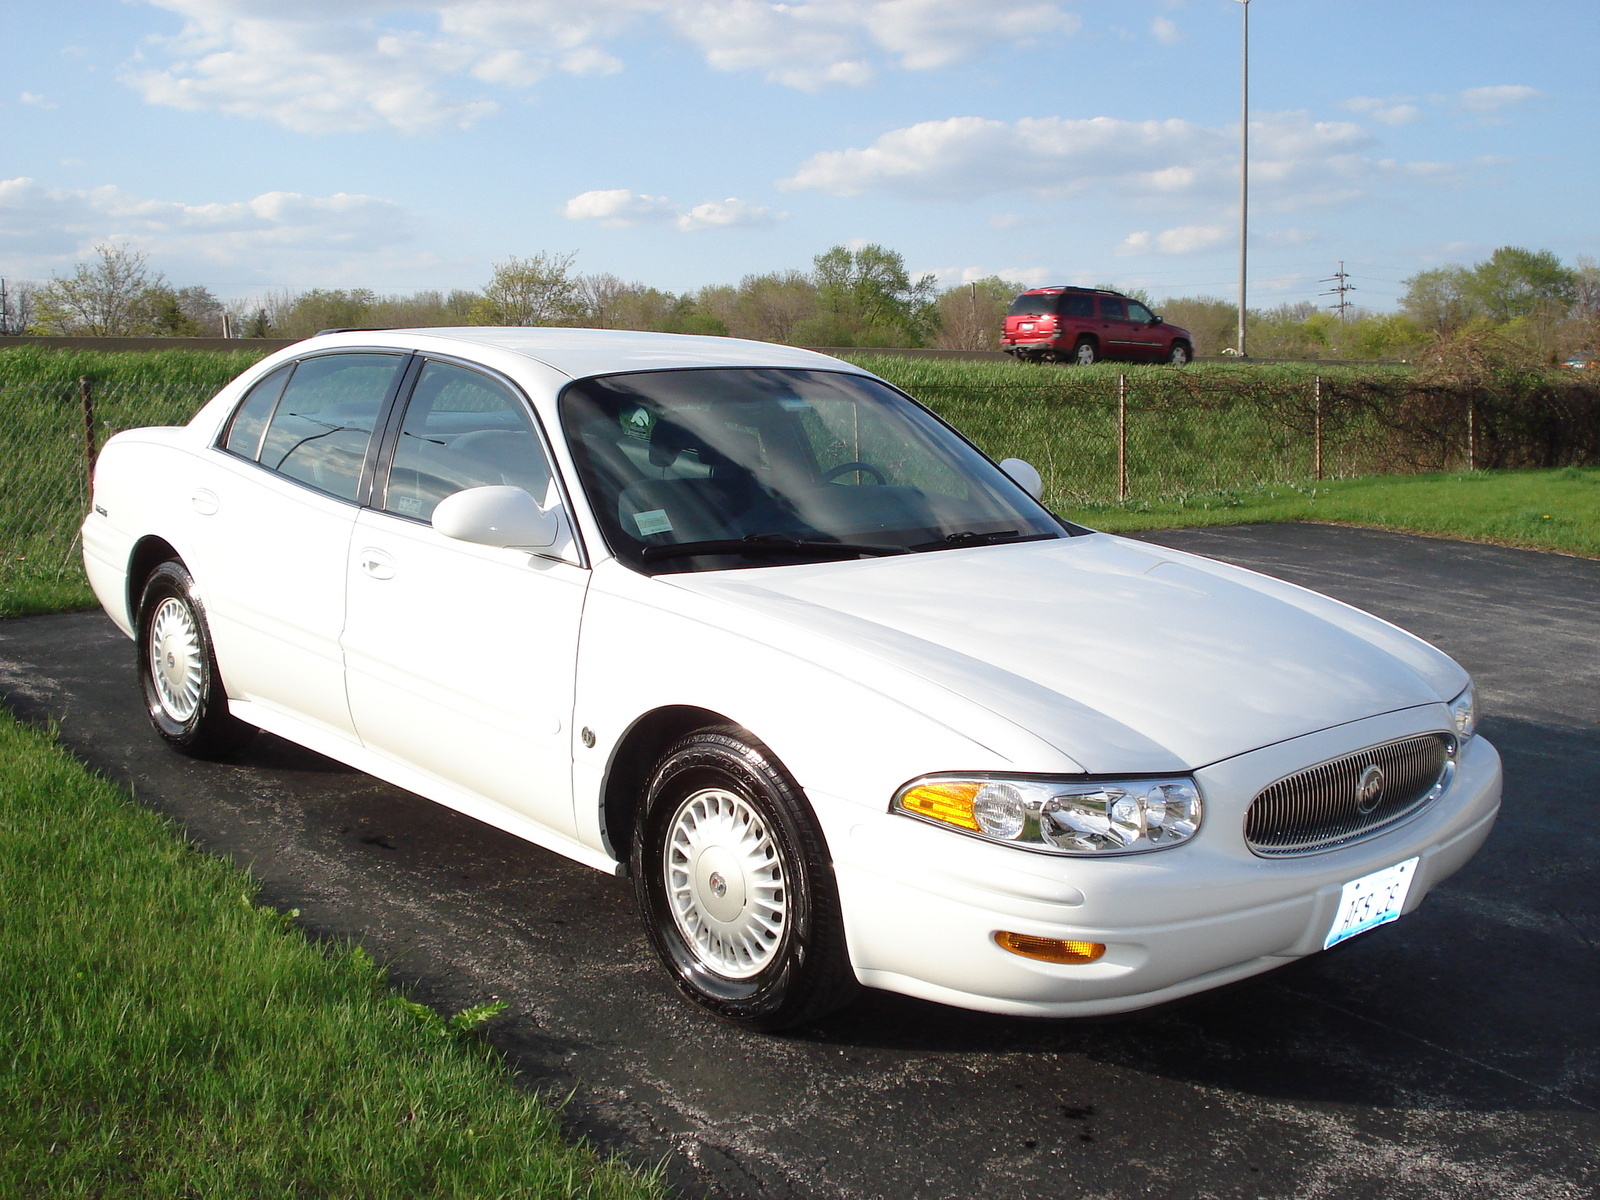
column 765, row 543
column 952, row 541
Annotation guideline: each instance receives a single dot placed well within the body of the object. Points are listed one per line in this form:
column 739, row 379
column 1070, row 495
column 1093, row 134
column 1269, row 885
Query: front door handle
column 376, row 563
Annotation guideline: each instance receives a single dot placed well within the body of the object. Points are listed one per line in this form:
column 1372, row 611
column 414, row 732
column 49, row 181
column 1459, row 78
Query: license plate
column 1027, row 326
column 1371, row 901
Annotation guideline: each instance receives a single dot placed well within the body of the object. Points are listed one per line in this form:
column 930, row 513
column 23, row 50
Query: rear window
column 1031, row 305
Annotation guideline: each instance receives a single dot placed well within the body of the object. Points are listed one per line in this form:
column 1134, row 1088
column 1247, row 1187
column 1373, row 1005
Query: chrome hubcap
column 175, row 659
column 725, row 883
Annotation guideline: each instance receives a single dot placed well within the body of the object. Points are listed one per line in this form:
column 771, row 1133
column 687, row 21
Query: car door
column 1116, row 331
column 1145, row 338
column 460, row 657
column 273, row 504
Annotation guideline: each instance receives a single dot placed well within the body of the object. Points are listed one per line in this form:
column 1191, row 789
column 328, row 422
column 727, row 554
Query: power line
column 1340, row 289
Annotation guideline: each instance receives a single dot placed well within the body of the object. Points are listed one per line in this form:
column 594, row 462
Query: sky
column 257, row 145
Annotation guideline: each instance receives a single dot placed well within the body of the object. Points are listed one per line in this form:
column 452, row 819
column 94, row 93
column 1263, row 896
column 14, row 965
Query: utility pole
column 5, row 309
column 1244, row 170
column 1340, row 289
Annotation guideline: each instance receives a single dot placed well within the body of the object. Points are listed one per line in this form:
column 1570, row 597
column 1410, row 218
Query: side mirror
column 1155, row 319
column 497, row 516
column 1025, row 475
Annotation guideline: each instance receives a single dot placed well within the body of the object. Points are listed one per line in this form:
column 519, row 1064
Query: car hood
column 1120, row 655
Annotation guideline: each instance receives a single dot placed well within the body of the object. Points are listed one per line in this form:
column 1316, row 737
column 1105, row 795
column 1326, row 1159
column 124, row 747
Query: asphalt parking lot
column 1455, row 1053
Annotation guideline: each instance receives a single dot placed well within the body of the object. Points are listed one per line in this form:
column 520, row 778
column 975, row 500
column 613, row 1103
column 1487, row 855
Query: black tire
column 1085, row 353
column 1180, row 355
column 718, row 778
column 183, row 692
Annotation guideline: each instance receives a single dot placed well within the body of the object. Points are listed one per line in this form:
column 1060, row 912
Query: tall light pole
column 1244, row 169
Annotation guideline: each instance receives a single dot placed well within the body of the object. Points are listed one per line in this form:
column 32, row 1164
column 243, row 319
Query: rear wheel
column 735, row 885
column 1085, row 353
column 183, row 692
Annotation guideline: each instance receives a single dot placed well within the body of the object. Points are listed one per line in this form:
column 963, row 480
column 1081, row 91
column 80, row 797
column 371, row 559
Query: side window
column 1077, row 305
column 243, row 436
column 1111, row 309
column 1138, row 312
column 462, row 430
column 319, row 434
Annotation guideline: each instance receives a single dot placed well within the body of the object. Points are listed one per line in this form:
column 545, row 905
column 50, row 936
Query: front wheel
column 1179, row 355
column 735, row 885
column 1085, row 353
column 183, row 693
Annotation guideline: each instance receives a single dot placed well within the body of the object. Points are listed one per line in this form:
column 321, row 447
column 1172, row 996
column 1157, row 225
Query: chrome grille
column 1321, row 807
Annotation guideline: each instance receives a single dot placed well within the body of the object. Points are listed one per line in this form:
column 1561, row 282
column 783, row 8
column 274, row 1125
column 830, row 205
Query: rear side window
column 1077, row 304
column 462, row 430
column 1035, row 304
column 250, row 418
column 323, row 425
column 1113, row 309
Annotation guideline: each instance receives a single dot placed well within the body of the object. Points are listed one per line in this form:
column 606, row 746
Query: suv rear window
column 1027, row 305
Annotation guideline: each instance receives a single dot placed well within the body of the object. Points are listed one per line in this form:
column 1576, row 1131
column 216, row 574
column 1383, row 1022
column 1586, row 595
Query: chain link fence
column 1172, row 435
column 1098, row 438
column 49, row 432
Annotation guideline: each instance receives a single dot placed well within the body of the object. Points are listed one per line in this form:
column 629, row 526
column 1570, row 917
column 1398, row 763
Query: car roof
column 580, row 353
column 1070, row 288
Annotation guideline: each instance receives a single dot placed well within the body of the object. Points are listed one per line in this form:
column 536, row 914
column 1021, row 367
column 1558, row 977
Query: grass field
column 165, row 1036
column 1539, row 510
column 1229, row 436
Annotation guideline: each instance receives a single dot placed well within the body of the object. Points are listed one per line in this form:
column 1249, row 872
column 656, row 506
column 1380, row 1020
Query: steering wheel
column 843, row 468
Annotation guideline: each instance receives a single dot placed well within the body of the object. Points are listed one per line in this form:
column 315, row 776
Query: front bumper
column 922, row 904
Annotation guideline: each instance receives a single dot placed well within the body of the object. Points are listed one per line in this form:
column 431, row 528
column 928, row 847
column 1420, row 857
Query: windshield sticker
column 654, row 521
column 638, row 422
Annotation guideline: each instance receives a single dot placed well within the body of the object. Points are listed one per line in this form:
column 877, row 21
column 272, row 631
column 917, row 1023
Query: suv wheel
column 1085, row 353
column 1180, row 354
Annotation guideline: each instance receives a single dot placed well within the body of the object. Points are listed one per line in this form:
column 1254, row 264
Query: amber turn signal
column 1049, row 949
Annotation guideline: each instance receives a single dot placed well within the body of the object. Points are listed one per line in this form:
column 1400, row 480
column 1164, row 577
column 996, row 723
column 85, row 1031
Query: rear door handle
column 205, row 501
column 376, row 563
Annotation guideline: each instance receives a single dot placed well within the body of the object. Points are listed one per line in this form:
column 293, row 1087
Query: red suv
column 1084, row 325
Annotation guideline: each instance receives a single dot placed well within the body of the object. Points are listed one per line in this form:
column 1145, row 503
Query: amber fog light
column 1049, row 949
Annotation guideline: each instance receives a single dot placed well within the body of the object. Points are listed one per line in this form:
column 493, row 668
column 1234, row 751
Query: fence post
column 86, row 399
column 1472, row 433
column 1122, row 438
column 1316, row 418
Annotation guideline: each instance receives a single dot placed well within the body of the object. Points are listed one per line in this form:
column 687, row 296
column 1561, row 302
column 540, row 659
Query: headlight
column 1060, row 816
column 1464, row 711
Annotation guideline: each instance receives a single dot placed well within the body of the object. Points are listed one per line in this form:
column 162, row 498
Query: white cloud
column 1186, row 239
column 731, row 213
column 417, row 65
column 1492, row 99
column 273, row 236
column 1395, row 110
column 35, row 100
column 1295, row 161
column 620, row 207
column 1166, row 31
column 948, row 277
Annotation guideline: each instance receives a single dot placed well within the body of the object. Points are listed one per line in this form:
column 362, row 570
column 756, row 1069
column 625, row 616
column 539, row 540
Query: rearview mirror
column 497, row 516
column 1025, row 475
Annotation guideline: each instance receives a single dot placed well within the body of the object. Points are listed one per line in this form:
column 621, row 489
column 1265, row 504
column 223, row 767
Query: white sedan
column 749, row 625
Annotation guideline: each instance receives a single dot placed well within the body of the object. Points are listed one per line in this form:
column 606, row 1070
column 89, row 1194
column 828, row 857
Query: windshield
column 717, row 468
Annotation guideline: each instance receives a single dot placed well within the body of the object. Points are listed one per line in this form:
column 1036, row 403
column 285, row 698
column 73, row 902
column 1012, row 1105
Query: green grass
column 166, row 1036
column 1540, row 510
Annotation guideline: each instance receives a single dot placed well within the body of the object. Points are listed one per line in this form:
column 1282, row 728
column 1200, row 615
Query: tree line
column 851, row 297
